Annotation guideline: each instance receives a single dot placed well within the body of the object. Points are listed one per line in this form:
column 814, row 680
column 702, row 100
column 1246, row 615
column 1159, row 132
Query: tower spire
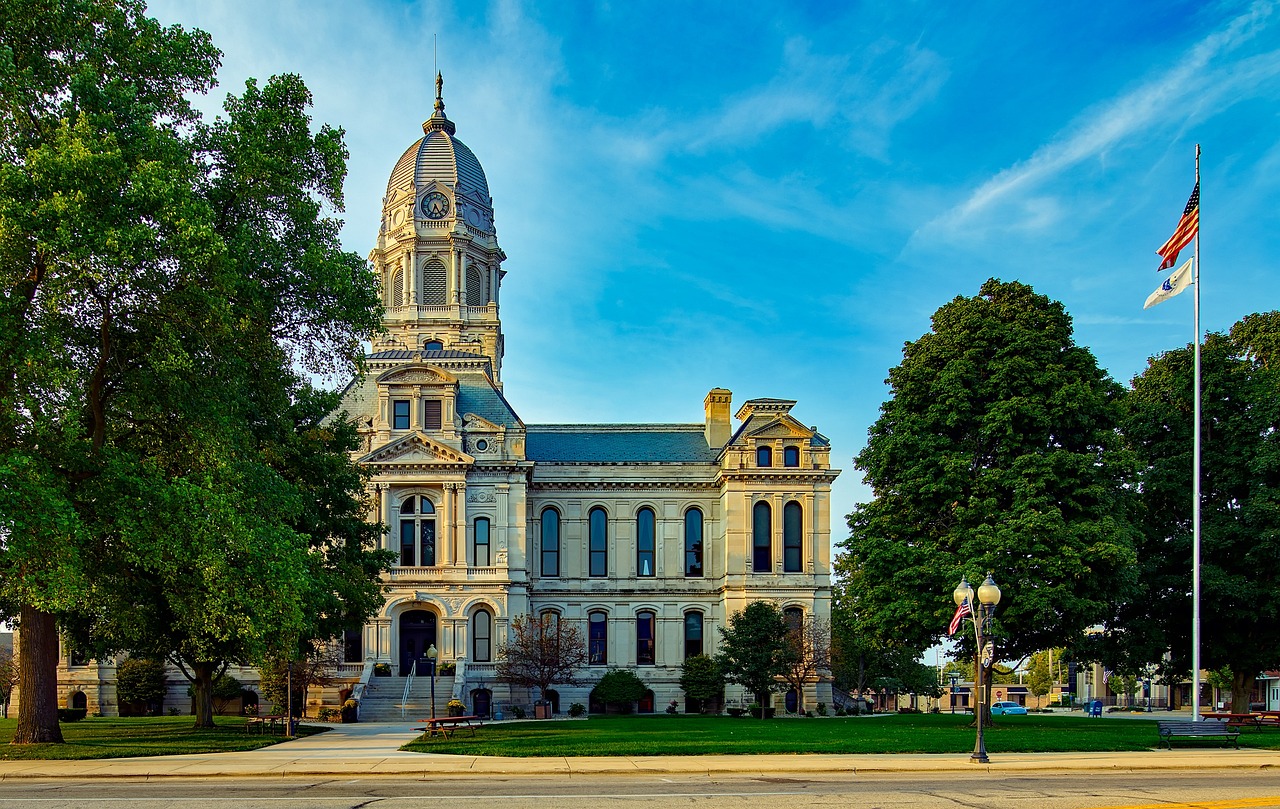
column 438, row 119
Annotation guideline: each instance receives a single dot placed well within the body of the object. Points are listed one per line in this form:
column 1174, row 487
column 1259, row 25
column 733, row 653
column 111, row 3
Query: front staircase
column 384, row 696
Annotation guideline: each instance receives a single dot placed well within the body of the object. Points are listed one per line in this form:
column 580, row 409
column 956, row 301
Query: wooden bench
column 1168, row 729
column 447, row 725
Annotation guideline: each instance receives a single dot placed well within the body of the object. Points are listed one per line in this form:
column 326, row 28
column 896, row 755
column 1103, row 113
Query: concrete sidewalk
column 372, row 750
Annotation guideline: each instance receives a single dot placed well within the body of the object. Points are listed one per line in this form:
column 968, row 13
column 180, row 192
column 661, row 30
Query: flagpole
column 1195, row 491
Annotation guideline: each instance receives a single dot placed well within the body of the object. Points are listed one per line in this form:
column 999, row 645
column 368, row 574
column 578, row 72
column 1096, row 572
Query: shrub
column 577, row 709
column 822, row 709
column 141, row 682
column 447, row 669
column 72, row 714
column 382, row 669
column 619, row 687
column 517, row 712
column 327, row 714
column 671, row 706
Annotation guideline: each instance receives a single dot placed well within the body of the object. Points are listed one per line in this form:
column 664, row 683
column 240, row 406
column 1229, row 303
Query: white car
column 1007, row 709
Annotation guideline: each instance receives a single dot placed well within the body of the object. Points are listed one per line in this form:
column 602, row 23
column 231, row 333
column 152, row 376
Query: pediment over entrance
column 416, row 375
column 417, row 449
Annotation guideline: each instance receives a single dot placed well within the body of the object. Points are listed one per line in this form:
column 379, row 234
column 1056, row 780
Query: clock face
column 435, row 205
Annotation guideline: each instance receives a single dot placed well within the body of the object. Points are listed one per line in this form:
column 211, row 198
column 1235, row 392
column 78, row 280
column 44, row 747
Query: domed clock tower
column 437, row 253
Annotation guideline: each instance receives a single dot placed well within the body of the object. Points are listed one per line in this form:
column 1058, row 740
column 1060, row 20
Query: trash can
column 542, row 710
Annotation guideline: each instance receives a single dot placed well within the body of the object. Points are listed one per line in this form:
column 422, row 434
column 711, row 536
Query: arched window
column 693, row 543
column 792, row 531
column 433, row 345
column 645, row 542
column 481, row 637
column 646, row 628
column 794, row 618
column 762, row 538
column 475, row 285
column 433, row 283
column 550, row 621
column 791, row 456
column 396, row 298
column 550, row 542
column 598, row 530
column 597, row 639
column 764, row 456
column 417, row 533
column 480, row 543
column 692, row 634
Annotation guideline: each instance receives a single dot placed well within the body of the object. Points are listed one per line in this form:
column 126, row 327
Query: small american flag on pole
column 1187, row 228
column 961, row 612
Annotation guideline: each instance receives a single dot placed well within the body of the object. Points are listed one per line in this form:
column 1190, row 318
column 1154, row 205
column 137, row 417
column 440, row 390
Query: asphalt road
column 1255, row 789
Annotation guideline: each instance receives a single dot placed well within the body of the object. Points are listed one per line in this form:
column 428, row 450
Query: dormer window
column 431, row 414
column 764, row 457
column 400, row 414
column 433, row 345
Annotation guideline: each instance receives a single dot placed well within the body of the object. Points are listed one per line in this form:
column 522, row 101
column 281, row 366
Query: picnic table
column 447, row 725
column 265, row 723
column 1236, row 720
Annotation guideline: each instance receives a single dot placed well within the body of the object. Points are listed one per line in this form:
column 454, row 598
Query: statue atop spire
column 438, row 119
column 439, row 93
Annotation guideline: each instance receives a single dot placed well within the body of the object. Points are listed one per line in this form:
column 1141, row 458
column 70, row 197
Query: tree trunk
column 1241, row 691
column 202, row 693
column 38, row 679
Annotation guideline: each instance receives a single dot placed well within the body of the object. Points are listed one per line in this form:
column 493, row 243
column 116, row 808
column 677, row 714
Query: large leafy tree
column 997, row 450
column 166, row 284
column 753, row 649
column 1240, row 509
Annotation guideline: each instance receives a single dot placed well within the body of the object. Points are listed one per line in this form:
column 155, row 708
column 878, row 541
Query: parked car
column 1007, row 709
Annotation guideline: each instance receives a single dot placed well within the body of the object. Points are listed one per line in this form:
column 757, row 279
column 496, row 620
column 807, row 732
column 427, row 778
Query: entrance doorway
column 417, row 634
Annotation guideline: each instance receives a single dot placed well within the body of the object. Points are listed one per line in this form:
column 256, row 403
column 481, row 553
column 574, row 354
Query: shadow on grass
column 111, row 737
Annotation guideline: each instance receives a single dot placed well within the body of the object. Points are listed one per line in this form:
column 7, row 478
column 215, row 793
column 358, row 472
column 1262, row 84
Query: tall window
column 693, row 543
column 475, row 286
column 692, row 634
column 397, row 288
column 480, row 545
column 400, row 414
column 764, row 456
column 761, row 538
column 550, row 542
column 597, row 638
column 794, row 618
column 792, row 530
column 417, row 532
column 790, row 456
column 431, row 414
column 598, row 530
column 550, row 621
column 353, row 645
column 481, row 637
column 645, row 542
column 433, row 283
column 646, row 625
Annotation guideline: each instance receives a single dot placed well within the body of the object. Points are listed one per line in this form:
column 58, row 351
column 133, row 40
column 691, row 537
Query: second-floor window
column 693, row 543
column 761, row 538
column 550, row 542
column 400, row 414
column 792, row 533
column 598, row 530
column 645, row 533
column 480, row 551
column 417, row 533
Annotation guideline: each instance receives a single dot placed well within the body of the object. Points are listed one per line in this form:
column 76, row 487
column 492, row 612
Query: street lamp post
column 980, row 614
column 955, row 682
column 431, row 658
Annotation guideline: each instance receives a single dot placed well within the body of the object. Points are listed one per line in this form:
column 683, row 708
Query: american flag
column 1187, row 228
column 961, row 612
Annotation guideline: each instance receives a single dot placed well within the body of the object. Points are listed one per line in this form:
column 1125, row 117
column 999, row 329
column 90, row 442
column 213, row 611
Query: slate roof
column 477, row 395
column 618, row 443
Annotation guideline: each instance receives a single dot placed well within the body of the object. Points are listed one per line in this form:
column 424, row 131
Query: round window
column 482, row 445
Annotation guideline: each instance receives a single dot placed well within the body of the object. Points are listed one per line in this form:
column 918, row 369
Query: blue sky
column 773, row 197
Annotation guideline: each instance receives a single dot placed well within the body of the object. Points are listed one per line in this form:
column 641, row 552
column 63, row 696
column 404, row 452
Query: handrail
column 408, row 686
column 459, row 679
column 357, row 692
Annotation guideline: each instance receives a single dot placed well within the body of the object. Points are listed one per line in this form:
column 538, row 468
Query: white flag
column 1173, row 285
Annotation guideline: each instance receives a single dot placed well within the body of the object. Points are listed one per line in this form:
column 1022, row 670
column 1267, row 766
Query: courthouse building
column 646, row 536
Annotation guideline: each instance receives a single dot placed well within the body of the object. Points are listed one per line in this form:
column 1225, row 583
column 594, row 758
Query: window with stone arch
column 475, row 285
column 396, row 298
column 597, row 638
column 764, row 456
column 791, row 456
column 794, row 618
column 417, row 532
column 434, row 283
column 550, row 542
column 693, row 543
column 792, row 538
column 693, row 621
column 482, row 636
column 646, row 638
column 761, row 538
column 598, row 542
column 646, row 542
column 480, row 556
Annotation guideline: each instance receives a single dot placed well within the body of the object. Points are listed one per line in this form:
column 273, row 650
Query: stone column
column 460, row 525
column 384, row 509
column 444, row 538
column 410, row 280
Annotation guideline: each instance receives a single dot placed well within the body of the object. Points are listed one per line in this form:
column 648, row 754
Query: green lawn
column 151, row 736
column 663, row 735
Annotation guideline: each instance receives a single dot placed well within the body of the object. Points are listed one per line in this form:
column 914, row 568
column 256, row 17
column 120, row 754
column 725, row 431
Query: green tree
column 619, row 687
column 997, row 450
column 8, row 677
column 141, row 682
column 1040, row 673
column 1240, row 528
column 753, row 649
column 701, row 680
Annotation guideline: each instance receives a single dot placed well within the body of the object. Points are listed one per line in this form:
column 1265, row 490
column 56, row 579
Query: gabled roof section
column 618, row 444
column 416, row 374
column 416, row 448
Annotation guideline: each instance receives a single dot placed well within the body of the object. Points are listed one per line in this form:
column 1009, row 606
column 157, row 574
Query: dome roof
column 439, row 156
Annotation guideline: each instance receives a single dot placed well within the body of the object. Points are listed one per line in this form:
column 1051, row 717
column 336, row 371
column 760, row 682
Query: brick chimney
column 717, row 405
